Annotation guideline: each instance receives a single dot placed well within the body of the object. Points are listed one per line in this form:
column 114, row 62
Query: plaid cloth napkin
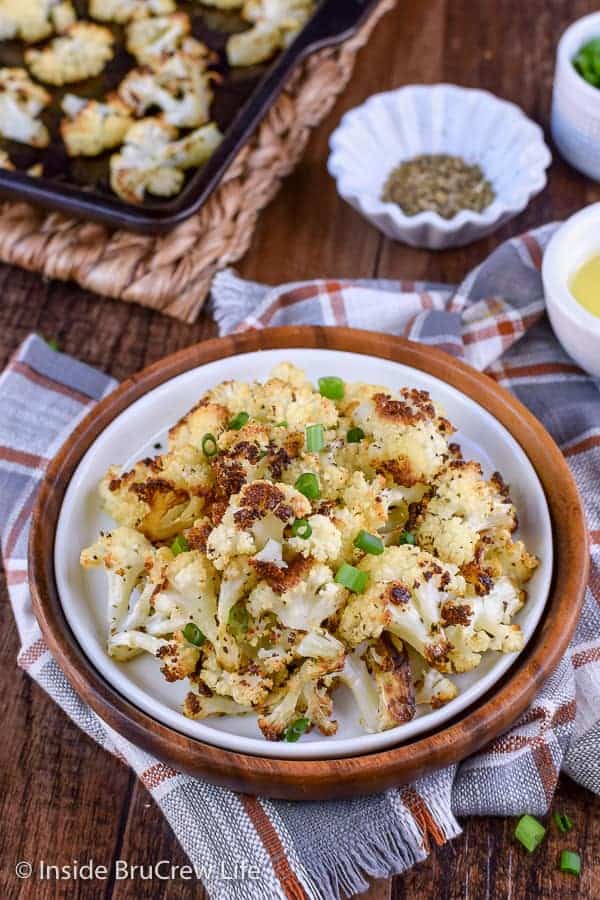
column 323, row 850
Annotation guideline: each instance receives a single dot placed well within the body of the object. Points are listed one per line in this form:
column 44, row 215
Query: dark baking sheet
column 79, row 186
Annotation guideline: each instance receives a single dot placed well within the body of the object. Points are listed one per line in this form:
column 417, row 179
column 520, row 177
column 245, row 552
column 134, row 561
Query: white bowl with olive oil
column 571, row 275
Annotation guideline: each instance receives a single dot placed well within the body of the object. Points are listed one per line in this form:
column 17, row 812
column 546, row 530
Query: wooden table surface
column 61, row 797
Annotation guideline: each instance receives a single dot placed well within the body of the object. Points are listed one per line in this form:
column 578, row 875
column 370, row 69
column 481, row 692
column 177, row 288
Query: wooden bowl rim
column 348, row 776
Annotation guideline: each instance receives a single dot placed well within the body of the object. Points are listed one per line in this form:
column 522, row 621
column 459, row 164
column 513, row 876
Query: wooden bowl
column 332, row 778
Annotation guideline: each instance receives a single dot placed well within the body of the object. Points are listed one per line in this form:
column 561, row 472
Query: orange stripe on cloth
column 48, row 383
column 587, row 443
column 271, row 842
column 22, row 458
column 423, row 817
column 156, row 774
column 546, row 769
column 534, row 249
column 584, row 657
column 289, row 298
column 534, row 371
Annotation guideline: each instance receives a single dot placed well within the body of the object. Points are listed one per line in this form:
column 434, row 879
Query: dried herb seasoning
column 440, row 183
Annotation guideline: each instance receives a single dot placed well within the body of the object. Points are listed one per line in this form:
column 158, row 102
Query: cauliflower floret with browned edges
column 90, row 126
column 276, row 580
column 81, row 52
column 150, row 39
column 21, row 102
column 152, row 161
column 160, row 497
column 275, row 23
column 122, row 11
column 177, row 84
column 461, row 506
column 34, row 20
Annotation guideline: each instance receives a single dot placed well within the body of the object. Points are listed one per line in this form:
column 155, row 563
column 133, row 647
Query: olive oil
column 585, row 285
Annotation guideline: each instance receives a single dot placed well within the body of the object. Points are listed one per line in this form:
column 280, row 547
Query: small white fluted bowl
column 390, row 128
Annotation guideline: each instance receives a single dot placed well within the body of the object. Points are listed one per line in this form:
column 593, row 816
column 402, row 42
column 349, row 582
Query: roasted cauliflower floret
column 304, row 695
column 406, row 434
column 152, row 161
column 123, row 554
column 122, row 11
column 21, row 101
column 179, row 658
column 90, row 127
column 34, row 20
column 431, row 687
column 301, row 596
column 462, row 506
column 275, row 23
column 324, row 542
column 161, row 497
column 81, row 52
column 198, row 705
column 177, row 84
column 149, row 39
column 203, row 419
column 405, row 595
column 387, row 661
column 256, row 515
column 504, row 556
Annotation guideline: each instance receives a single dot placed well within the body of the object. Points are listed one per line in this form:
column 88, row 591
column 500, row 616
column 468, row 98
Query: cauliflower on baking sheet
column 81, row 52
column 294, row 541
column 21, row 102
column 177, row 84
column 149, row 39
column 275, row 23
column 90, row 127
column 152, row 160
column 34, row 20
column 122, row 11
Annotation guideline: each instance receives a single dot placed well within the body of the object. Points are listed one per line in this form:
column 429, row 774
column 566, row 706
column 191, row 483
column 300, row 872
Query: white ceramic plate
column 134, row 433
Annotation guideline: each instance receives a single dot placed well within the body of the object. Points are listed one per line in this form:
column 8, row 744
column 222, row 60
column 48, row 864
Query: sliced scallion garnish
column 355, row 435
column 369, row 543
column 315, row 438
column 301, row 528
column 209, row 445
column 563, row 822
column 530, row 832
column 570, row 862
column 331, row 387
column 352, row 578
column 193, row 635
column 407, row 537
column 179, row 545
column 308, row 484
column 295, row 731
column 239, row 421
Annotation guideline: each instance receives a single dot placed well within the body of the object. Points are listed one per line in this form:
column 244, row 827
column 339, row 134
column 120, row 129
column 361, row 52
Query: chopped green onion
column 282, row 424
column 209, row 445
column 530, row 832
column 570, row 862
column 563, row 822
column 352, row 578
column 407, row 537
column 239, row 421
column 308, row 484
column 315, row 438
column 369, row 543
column 179, row 545
column 193, row 635
column 331, row 387
column 53, row 344
column 587, row 62
column 295, row 731
column 355, row 435
column 301, row 528
column 238, row 619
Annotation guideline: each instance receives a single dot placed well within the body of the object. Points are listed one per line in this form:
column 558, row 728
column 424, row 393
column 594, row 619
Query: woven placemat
column 172, row 273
